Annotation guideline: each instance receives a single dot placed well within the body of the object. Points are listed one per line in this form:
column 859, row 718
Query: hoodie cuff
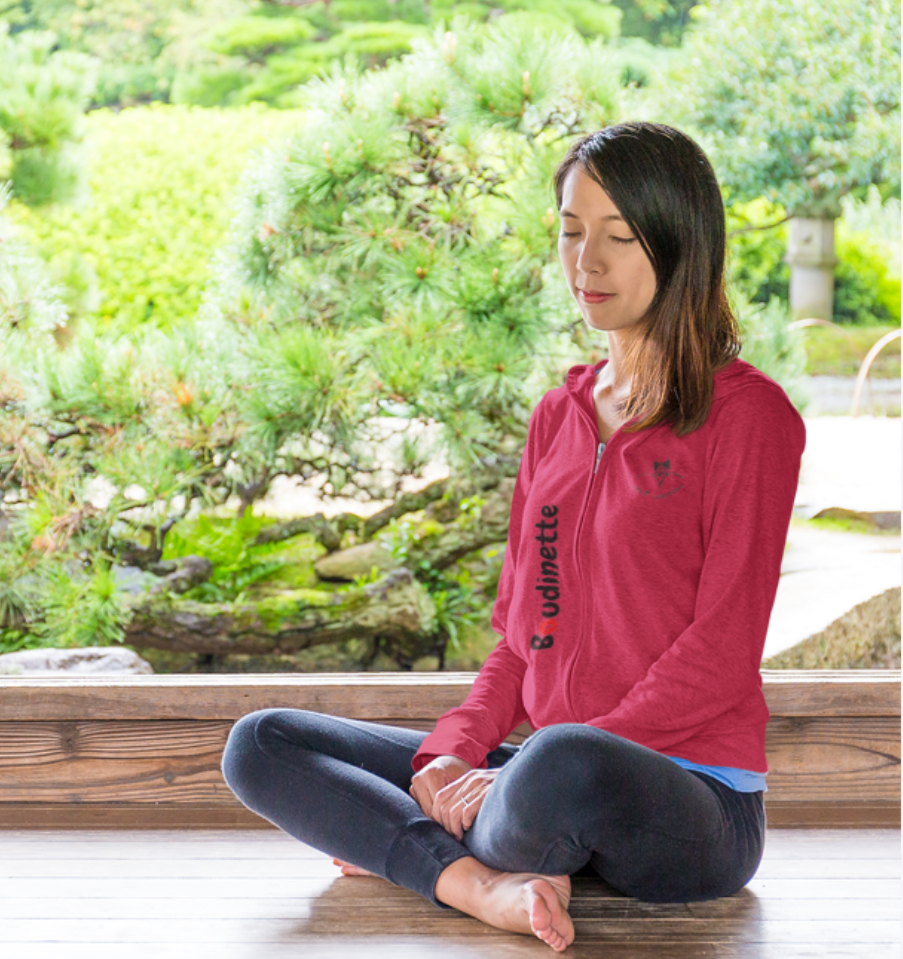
column 470, row 751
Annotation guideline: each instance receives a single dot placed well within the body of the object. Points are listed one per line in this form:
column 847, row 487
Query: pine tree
column 391, row 269
column 42, row 99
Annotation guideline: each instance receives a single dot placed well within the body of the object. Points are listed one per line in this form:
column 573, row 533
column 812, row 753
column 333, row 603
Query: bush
column 257, row 37
column 865, row 290
column 755, row 260
column 158, row 207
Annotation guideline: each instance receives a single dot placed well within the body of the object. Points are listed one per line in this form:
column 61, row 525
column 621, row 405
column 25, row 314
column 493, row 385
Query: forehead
column 581, row 196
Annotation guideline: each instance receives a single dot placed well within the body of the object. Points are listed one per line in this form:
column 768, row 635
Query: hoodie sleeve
column 713, row 665
column 494, row 706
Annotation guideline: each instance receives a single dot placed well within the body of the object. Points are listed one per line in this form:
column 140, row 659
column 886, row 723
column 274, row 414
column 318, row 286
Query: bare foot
column 529, row 903
column 348, row 869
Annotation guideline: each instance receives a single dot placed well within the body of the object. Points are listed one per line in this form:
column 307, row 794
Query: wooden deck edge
column 782, row 815
column 833, row 815
column 374, row 696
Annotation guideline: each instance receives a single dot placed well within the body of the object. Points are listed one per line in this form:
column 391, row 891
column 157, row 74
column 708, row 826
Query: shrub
column 160, row 179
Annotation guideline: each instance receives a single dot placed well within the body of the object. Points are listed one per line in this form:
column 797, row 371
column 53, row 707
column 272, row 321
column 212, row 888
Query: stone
column 91, row 659
column 878, row 519
column 865, row 637
column 345, row 564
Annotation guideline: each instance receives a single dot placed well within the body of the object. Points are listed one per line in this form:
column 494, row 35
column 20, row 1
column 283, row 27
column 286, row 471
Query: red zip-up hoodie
column 639, row 577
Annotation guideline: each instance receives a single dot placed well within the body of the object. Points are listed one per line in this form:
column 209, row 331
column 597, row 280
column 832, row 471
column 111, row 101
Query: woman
column 648, row 524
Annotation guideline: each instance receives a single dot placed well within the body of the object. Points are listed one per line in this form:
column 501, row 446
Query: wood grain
column 250, row 895
column 83, row 751
column 404, row 696
column 837, row 759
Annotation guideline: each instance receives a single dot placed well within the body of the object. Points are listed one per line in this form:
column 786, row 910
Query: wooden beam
column 148, row 748
column 788, row 692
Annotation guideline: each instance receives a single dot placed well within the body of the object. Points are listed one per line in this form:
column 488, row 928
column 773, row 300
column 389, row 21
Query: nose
column 589, row 260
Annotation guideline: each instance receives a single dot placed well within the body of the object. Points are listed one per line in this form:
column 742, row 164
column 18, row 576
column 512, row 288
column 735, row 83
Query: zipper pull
column 598, row 457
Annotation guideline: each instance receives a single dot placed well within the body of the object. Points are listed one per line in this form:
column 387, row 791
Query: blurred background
column 279, row 290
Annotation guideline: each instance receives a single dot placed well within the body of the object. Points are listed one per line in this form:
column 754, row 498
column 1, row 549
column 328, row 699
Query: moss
column 865, row 637
column 273, row 610
column 841, row 525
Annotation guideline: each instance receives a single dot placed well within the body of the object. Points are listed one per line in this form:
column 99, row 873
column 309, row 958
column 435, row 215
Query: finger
column 442, row 805
column 442, row 810
column 457, row 819
column 422, row 798
column 471, row 810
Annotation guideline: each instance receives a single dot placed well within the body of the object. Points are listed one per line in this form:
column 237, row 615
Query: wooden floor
column 257, row 894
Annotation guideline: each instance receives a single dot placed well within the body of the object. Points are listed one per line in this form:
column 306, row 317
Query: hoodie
column 639, row 578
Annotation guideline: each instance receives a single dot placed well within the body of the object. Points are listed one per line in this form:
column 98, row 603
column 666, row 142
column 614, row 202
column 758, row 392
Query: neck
column 613, row 376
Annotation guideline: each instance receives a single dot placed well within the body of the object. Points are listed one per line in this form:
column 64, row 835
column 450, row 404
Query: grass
column 829, row 352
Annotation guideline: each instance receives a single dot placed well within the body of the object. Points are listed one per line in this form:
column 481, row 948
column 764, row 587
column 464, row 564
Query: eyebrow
column 611, row 216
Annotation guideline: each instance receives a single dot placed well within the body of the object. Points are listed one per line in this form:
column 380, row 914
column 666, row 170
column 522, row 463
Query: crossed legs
column 571, row 795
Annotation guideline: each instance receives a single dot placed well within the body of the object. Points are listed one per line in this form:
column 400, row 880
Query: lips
column 593, row 297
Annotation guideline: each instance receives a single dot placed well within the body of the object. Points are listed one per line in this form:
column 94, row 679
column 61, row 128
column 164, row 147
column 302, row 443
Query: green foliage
column 229, row 544
column 159, row 182
column 830, row 352
column 257, row 37
column 29, row 300
column 454, row 590
column 771, row 346
column 798, row 103
column 210, row 87
column 865, row 289
column 372, row 43
column 81, row 607
column 369, row 239
column 656, row 21
column 139, row 47
column 41, row 103
column 409, row 11
column 755, row 260
column 590, row 17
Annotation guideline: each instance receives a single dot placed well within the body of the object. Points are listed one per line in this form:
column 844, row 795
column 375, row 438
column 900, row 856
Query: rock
column 883, row 519
column 865, row 637
column 425, row 664
column 132, row 579
column 92, row 659
column 345, row 564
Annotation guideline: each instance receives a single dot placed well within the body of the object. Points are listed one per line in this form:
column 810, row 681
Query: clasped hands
column 451, row 791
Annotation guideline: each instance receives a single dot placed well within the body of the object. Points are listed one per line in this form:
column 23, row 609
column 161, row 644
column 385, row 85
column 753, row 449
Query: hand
column 457, row 804
column 434, row 776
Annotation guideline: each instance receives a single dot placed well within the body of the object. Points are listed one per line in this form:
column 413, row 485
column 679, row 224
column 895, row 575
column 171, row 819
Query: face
column 600, row 253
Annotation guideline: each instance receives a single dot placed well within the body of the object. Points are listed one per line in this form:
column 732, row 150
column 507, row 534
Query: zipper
column 598, row 457
column 577, row 544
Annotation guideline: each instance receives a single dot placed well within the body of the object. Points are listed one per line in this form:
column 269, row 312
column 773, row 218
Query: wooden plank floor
column 259, row 894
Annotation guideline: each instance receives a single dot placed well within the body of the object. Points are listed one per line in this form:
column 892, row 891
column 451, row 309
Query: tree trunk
column 396, row 607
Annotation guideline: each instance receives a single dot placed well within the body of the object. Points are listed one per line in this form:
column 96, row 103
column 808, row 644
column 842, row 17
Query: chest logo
column 662, row 481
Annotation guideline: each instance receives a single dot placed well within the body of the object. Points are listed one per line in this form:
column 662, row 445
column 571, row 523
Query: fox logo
column 662, row 481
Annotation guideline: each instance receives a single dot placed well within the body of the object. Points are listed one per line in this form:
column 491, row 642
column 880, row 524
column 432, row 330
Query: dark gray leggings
column 571, row 798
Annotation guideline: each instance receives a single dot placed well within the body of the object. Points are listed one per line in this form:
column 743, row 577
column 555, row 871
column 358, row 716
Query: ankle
column 460, row 884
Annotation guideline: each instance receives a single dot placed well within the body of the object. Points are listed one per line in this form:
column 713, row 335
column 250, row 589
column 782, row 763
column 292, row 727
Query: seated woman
column 648, row 524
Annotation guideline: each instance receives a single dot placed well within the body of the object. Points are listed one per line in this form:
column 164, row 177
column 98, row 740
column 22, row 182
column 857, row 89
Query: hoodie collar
column 581, row 378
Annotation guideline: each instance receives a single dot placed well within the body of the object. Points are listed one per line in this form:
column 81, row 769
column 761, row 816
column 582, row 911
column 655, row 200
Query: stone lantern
column 810, row 253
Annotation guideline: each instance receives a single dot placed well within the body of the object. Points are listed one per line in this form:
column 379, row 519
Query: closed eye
column 617, row 239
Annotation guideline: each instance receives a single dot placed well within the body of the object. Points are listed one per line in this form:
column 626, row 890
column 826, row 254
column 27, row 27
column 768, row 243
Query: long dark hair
column 665, row 188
